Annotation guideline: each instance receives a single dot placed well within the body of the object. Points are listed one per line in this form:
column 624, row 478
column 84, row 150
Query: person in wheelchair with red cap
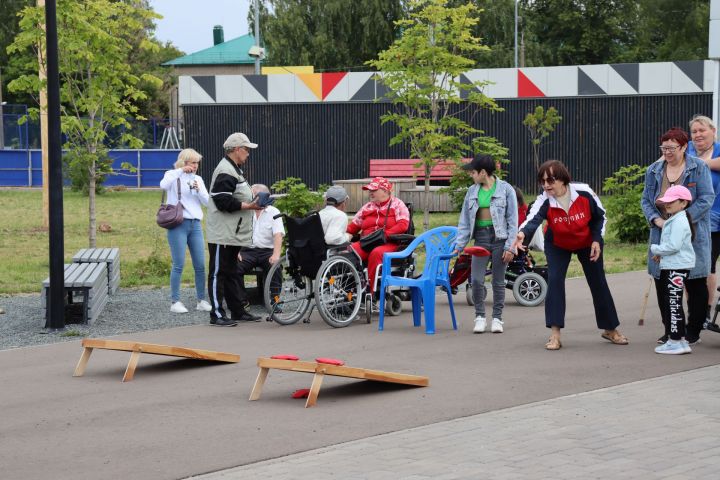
column 385, row 213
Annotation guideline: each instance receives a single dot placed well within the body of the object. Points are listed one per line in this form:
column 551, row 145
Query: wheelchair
column 332, row 279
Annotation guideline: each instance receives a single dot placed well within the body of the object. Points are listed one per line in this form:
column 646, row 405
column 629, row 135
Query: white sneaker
column 480, row 324
column 178, row 307
column 203, row 306
column 497, row 326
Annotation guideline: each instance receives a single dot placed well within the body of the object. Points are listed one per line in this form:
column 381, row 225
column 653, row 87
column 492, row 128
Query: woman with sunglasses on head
column 704, row 145
column 575, row 225
column 676, row 167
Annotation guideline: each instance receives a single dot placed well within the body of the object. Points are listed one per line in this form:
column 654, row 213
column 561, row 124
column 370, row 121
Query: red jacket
column 371, row 217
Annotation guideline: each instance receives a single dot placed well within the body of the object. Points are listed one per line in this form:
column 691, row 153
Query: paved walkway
column 662, row 428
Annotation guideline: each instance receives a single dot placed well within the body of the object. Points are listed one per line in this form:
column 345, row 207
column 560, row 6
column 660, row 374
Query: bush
column 625, row 189
column 298, row 200
column 76, row 170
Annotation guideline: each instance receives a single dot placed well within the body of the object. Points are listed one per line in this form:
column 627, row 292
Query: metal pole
column 257, row 35
column 2, row 124
column 56, row 305
column 516, row 33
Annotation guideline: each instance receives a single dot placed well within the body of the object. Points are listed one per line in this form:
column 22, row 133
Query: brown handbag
column 170, row 216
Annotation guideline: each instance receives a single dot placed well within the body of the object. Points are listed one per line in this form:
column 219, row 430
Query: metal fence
column 23, row 168
column 322, row 142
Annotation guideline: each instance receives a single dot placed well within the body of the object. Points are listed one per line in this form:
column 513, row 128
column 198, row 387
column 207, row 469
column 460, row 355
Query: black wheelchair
column 332, row 278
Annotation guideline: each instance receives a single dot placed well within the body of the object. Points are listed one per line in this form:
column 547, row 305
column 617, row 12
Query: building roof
column 232, row 52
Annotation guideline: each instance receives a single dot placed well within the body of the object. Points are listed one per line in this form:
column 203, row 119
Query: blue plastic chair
column 439, row 246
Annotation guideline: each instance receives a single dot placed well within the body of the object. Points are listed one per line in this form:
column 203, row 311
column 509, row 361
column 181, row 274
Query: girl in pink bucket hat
column 677, row 257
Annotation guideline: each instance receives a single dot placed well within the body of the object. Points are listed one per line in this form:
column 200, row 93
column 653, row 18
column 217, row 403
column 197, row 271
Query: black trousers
column 224, row 282
column 558, row 260
column 251, row 258
column 697, row 303
column 670, row 289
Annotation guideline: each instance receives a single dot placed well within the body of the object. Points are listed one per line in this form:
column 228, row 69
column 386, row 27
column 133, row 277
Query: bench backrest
column 405, row 167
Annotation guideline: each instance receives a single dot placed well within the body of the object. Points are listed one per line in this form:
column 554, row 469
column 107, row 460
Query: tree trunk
column 426, row 198
column 92, row 231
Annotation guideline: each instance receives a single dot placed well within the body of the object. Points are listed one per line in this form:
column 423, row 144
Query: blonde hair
column 187, row 155
column 706, row 121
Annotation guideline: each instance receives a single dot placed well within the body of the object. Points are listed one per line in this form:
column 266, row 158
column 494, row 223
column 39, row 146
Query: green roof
column 232, row 52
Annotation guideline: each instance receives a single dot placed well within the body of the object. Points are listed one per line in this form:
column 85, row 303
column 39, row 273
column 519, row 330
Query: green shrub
column 625, row 189
column 298, row 200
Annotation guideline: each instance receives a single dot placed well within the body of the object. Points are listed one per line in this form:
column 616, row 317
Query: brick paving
column 661, row 428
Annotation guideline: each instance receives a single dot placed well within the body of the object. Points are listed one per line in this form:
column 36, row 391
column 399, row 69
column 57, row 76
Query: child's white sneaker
column 497, row 326
column 480, row 324
column 673, row 347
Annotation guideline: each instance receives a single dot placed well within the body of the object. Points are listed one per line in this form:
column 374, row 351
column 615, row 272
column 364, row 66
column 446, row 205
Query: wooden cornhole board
column 138, row 347
column 321, row 369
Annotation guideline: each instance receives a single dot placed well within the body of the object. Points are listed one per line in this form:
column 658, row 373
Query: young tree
column 422, row 72
column 98, row 88
column 540, row 125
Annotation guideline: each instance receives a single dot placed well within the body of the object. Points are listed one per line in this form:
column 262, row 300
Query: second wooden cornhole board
column 321, row 369
column 139, row 347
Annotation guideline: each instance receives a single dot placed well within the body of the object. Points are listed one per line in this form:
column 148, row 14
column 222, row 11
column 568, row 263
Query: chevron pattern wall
column 572, row 81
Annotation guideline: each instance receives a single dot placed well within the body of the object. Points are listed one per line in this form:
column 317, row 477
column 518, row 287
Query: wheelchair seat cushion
column 330, row 361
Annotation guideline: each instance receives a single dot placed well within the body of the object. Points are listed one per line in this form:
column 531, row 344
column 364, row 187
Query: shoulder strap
column 162, row 200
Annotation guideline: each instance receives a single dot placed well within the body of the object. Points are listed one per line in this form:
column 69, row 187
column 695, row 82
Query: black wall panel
column 327, row 141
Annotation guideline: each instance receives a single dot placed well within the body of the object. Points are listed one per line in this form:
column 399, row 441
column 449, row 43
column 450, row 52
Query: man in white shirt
column 333, row 217
column 267, row 241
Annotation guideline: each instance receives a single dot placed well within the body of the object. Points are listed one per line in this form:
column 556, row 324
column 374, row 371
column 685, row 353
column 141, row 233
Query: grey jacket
column 503, row 211
column 226, row 222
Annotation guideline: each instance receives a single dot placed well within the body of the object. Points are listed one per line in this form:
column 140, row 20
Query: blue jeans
column 485, row 237
column 187, row 234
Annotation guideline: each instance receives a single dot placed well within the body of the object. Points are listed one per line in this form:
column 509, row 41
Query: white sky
column 188, row 24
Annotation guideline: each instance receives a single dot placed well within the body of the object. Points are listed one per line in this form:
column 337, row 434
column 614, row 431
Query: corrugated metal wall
column 331, row 141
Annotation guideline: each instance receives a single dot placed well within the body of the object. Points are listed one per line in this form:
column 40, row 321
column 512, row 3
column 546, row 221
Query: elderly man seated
column 333, row 217
column 267, row 240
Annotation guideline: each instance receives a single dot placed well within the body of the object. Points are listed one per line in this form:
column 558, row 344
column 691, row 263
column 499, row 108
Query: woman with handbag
column 183, row 186
column 382, row 216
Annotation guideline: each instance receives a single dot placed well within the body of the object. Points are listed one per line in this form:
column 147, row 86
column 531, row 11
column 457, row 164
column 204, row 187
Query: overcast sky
column 188, row 24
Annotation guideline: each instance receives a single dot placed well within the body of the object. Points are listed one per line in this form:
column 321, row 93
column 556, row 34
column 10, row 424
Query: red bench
column 399, row 168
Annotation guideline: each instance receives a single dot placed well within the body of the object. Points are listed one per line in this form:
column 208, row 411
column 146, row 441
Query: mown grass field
column 144, row 254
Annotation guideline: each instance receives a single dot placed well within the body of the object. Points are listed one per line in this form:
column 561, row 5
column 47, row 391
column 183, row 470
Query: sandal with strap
column 615, row 337
column 553, row 343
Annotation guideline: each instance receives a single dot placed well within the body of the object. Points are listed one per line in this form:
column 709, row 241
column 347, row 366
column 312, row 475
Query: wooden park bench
column 405, row 167
column 319, row 368
column 109, row 256
column 151, row 348
column 86, row 289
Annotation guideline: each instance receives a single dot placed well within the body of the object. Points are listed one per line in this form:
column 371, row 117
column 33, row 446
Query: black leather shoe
column 246, row 317
column 222, row 322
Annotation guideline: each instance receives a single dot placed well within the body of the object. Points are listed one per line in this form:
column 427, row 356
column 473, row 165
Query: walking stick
column 645, row 302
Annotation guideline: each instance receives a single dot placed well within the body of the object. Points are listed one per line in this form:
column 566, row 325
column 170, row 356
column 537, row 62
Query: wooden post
column 42, row 74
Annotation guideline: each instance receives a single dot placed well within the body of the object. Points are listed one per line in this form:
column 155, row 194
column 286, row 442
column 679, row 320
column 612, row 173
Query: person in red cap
column 383, row 211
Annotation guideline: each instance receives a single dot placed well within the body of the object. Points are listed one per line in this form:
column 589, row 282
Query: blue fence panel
column 23, row 168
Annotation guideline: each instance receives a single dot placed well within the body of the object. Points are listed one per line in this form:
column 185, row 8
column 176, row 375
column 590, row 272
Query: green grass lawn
column 144, row 254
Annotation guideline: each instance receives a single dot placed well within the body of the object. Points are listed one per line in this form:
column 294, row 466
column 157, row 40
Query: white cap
column 238, row 139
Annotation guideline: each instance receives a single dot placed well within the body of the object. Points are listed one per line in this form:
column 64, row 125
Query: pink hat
column 378, row 183
column 676, row 192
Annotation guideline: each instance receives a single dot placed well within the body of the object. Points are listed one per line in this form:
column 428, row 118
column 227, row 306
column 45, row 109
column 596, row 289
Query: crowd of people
column 679, row 201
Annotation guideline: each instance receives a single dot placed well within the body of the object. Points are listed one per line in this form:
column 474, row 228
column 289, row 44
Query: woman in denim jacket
column 489, row 215
column 678, row 168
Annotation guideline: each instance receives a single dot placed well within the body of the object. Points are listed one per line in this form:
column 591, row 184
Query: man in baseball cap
column 229, row 226
column 333, row 218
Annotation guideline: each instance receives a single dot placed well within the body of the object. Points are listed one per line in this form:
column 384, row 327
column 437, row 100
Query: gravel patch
column 128, row 311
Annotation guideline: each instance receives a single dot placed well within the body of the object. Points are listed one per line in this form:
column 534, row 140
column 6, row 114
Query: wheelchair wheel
column 368, row 307
column 338, row 291
column 530, row 289
column 469, row 295
column 287, row 298
column 393, row 305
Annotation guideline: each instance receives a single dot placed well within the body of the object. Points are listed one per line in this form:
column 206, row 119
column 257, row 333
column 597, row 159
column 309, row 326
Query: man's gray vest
column 229, row 228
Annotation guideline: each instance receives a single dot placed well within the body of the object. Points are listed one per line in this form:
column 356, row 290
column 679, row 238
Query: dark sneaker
column 246, row 317
column 692, row 340
column 662, row 340
column 222, row 322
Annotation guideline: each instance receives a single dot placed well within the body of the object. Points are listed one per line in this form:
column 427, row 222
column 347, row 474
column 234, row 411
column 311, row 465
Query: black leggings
column 697, row 304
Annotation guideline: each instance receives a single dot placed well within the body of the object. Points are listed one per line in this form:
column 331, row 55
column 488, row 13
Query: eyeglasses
column 549, row 180
column 669, row 149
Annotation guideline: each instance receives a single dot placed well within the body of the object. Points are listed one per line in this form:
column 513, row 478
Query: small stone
column 2, row 310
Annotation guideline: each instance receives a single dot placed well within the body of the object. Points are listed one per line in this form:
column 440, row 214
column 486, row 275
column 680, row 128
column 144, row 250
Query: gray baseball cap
column 336, row 194
column 238, row 139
